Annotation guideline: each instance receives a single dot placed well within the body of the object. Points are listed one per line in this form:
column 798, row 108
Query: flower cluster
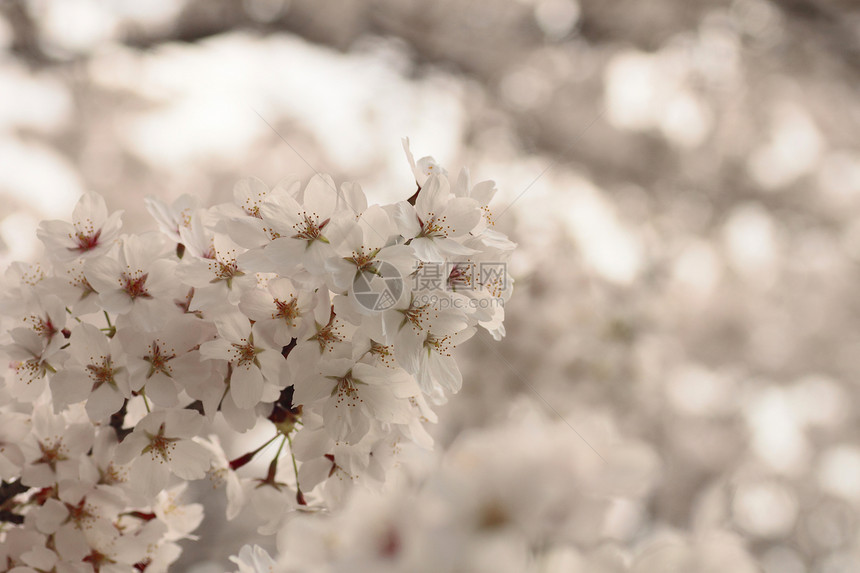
column 293, row 308
column 481, row 509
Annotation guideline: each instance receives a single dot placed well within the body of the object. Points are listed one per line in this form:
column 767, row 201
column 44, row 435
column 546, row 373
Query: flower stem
column 110, row 330
column 73, row 316
column 300, row 497
column 245, row 458
column 273, row 467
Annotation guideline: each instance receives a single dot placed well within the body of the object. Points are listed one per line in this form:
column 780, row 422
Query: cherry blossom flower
column 101, row 471
column 180, row 519
column 355, row 395
column 303, row 228
column 437, row 220
column 31, row 361
column 366, row 254
column 484, row 296
column 427, row 355
column 281, row 311
column 361, row 242
column 370, row 351
column 424, row 168
column 413, row 317
column 330, row 469
column 243, row 219
column 91, row 231
column 253, row 560
column 161, row 445
column 221, row 472
column 114, row 552
column 217, row 273
column 47, row 318
column 164, row 362
column 17, row 542
column 95, row 373
column 270, row 504
column 482, row 192
column 54, row 449
column 14, row 426
column 77, row 509
column 329, row 338
column 134, row 279
column 75, row 290
column 21, row 283
column 171, row 218
column 252, row 361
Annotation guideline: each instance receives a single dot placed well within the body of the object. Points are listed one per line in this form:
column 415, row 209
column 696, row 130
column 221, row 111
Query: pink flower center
column 135, row 286
column 158, row 361
column 245, row 353
column 160, row 445
column 51, row 454
column 326, row 336
column 308, row 228
column 416, row 315
column 102, row 373
column 86, row 241
column 441, row 344
column 461, row 277
column 287, row 310
column 434, row 227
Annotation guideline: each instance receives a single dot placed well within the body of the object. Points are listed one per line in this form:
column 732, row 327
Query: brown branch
column 196, row 405
column 10, row 490
column 9, row 517
column 117, row 420
column 414, row 197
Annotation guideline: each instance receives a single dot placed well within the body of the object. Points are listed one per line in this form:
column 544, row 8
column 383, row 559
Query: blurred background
column 683, row 179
